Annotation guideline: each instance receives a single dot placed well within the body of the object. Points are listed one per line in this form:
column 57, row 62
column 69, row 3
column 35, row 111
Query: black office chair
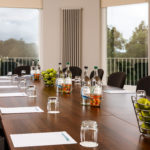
column 144, row 84
column 100, row 74
column 2, row 143
column 117, row 79
column 19, row 69
column 76, row 71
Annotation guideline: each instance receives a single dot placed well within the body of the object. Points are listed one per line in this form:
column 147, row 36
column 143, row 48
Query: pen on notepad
column 65, row 136
column 37, row 108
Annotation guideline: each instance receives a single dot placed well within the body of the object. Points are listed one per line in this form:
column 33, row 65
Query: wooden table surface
column 117, row 126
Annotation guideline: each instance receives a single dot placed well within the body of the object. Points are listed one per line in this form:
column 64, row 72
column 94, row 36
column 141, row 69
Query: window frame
column 103, row 35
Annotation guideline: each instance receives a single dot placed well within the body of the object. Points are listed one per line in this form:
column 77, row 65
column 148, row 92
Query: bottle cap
column 67, row 63
column 95, row 67
column 59, row 63
column 85, row 67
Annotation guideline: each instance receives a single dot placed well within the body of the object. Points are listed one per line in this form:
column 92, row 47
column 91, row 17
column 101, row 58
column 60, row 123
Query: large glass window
column 127, row 40
column 19, row 32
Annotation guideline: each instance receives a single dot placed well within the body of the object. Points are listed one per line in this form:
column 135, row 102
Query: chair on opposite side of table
column 20, row 68
column 144, row 84
column 100, row 74
column 117, row 79
column 3, row 142
column 76, row 71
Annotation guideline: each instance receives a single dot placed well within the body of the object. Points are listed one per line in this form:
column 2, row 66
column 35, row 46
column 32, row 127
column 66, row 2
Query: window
column 19, row 32
column 127, row 40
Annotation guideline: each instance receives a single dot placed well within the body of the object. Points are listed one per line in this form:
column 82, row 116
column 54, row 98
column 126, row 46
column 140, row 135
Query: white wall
column 51, row 31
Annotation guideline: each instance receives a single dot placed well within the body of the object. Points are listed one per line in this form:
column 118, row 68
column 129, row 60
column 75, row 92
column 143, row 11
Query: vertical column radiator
column 72, row 37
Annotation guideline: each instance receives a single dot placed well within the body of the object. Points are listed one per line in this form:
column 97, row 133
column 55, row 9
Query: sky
column 23, row 24
column 19, row 23
column 126, row 17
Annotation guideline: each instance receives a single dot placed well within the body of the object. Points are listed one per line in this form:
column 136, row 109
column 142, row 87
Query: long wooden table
column 117, row 126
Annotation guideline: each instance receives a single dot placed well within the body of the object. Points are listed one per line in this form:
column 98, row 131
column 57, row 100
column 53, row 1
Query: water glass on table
column 9, row 73
column 23, row 72
column 31, row 91
column 14, row 78
column 89, row 133
column 140, row 94
column 53, row 105
column 77, row 79
column 22, row 83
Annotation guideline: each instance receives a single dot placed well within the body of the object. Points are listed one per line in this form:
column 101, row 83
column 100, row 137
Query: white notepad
column 118, row 91
column 5, row 77
column 5, row 80
column 5, row 87
column 12, row 94
column 12, row 110
column 41, row 139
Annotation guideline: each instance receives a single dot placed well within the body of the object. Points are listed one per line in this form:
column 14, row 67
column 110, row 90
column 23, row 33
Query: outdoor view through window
column 19, row 32
column 127, row 34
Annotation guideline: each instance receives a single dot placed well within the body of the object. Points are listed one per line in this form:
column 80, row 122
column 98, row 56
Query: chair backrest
column 76, row 71
column 2, row 143
column 144, row 84
column 117, row 79
column 100, row 74
column 20, row 68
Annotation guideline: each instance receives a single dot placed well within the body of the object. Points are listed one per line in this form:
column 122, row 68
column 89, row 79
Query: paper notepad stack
column 12, row 94
column 42, row 139
column 118, row 91
column 12, row 110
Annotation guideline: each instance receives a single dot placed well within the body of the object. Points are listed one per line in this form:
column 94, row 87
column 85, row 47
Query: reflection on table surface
column 117, row 126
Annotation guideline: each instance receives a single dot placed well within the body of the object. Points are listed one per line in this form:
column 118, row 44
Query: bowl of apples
column 142, row 111
column 49, row 77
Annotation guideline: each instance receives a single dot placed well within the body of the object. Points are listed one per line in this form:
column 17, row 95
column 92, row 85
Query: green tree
column 18, row 48
column 115, row 41
column 138, row 43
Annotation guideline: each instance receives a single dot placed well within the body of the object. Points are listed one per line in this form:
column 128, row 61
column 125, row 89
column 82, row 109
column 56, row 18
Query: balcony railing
column 135, row 68
column 8, row 64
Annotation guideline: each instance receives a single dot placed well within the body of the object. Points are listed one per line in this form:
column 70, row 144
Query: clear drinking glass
column 23, row 72
column 22, row 83
column 53, row 105
column 89, row 133
column 140, row 94
column 14, row 78
column 31, row 91
column 9, row 73
column 77, row 79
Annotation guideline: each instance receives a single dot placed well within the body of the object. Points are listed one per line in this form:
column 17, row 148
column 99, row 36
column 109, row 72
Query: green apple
column 51, row 70
column 146, row 116
column 145, row 126
column 136, row 106
column 147, row 104
column 46, row 76
column 48, row 82
column 140, row 117
column 143, row 103
column 51, row 74
column 43, row 73
column 48, row 70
